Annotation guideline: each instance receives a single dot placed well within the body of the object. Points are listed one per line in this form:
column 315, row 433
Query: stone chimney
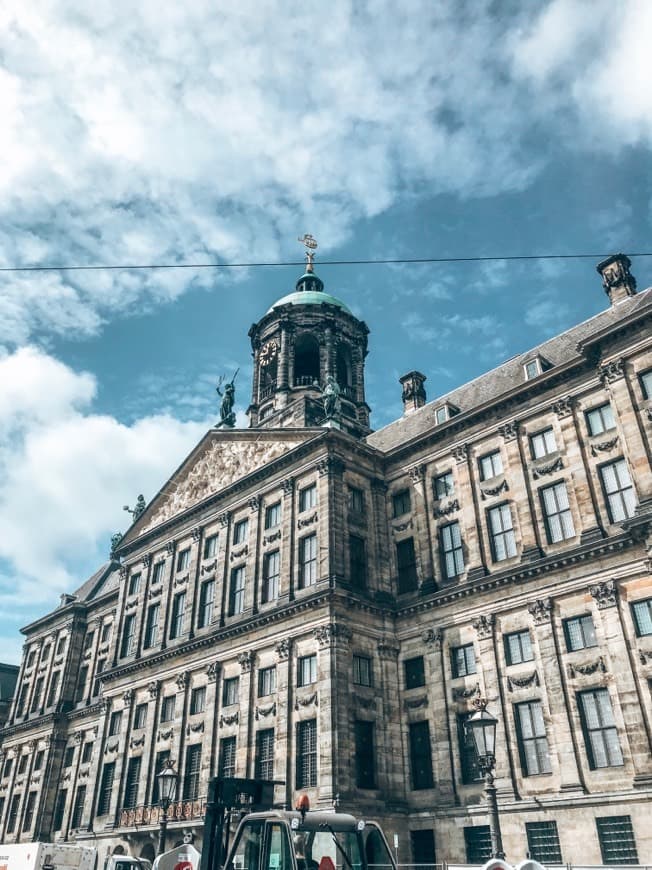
column 617, row 280
column 414, row 393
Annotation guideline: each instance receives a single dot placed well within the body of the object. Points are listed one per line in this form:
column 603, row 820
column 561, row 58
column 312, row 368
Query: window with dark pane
column 38, row 690
column 106, row 789
column 307, row 670
column 273, row 515
column 477, row 840
column 415, row 674
column 365, row 764
column 532, row 739
column 463, row 660
column 192, row 772
column 97, row 682
column 22, row 764
column 420, row 755
column 158, row 572
column 68, row 756
column 131, row 784
column 230, row 691
column 443, row 485
column 60, row 808
column 306, row 754
column 38, row 761
column 13, row 813
column 206, row 602
column 271, row 576
column 183, row 559
column 128, row 635
column 579, row 632
column 468, row 756
column 423, row 848
column 240, row 531
column 362, row 672
column 357, row 561
column 140, row 717
column 167, row 708
column 134, row 584
column 115, row 723
column 197, row 700
column 266, row 681
column 151, row 625
column 356, row 500
column 307, row 498
column 265, row 754
column 617, row 841
column 54, row 685
column 407, row 566
column 600, row 732
column 518, row 647
column 210, row 546
column 543, row 842
column 80, row 691
column 28, row 818
column 87, row 752
column 642, row 613
column 401, row 503
column 78, row 807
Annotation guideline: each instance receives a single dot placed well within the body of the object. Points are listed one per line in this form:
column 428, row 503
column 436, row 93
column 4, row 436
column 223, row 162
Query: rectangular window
column 273, row 515
column 415, row 674
column 532, row 740
column 532, row 369
column 54, row 685
column 358, row 562
column 468, row 757
column 365, row 761
column 443, row 485
column 617, row 842
column 237, row 591
column 38, row 761
column 193, row 769
column 162, row 759
column 452, row 554
column 265, row 754
column 420, row 755
column 134, row 584
column 22, row 698
column 167, row 708
column 206, row 603
column 543, row 842
column 87, row 752
column 38, row 691
column 140, row 717
column 197, row 700
column 240, row 531
column 518, row 647
column 13, row 813
column 271, row 576
column 580, row 633
column 646, row 383
column 22, row 764
column 151, row 626
column 307, row 754
column 401, row 503
column 308, row 498
column 81, row 684
column 97, row 682
column 61, row 645
column 407, row 566
column 131, row 785
column 618, row 490
column 178, row 612
column 6, row 770
column 106, row 789
column 307, row 561
column 69, row 756
column 115, row 723
column 227, row 757
column 59, row 809
column 557, row 513
column 477, row 840
column 307, row 670
column 600, row 733
column 501, row 530
column 356, row 500
column 106, row 632
column 128, row 636
column 423, row 848
column 88, row 642
column 159, row 571
column 543, row 443
column 266, row 681
column 183, row 559
column 230, row 691
column 642, row 613
column 463, row 660
column 491, row 465
column 28, row 819
column 599, row 420
column 362, row 672
column 45, row 655
column 210, row 546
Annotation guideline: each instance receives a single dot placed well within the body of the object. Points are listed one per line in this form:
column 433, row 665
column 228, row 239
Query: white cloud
column 65, row 474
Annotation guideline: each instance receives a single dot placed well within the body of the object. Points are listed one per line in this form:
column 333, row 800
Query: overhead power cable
column 300, row 263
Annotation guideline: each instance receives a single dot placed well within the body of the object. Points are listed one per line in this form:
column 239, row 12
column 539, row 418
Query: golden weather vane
column 310, row 243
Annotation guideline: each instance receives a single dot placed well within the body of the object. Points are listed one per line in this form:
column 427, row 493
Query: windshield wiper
column 338, row 844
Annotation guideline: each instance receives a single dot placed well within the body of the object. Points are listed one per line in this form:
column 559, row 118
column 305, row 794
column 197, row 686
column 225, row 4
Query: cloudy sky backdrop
column 141, row 132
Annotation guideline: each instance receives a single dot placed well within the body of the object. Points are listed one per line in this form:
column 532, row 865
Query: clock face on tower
column 268, row 353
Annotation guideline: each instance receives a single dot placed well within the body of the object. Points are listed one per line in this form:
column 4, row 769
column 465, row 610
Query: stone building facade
column 309, row 601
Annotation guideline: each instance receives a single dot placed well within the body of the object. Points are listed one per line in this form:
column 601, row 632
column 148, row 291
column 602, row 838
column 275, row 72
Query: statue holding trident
column 227, row 416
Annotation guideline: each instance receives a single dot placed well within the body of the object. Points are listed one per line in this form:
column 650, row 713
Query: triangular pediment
column 221, row 459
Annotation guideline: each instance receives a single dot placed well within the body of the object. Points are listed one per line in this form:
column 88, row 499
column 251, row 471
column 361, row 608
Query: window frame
column 267, row 681
column 177, row 617
column 183, row 559
column 401, row 503
column 357, row 501
column 621, row 836
column 362, row 673
column 598, row 413
column 503, row 539
column 227, row 762
column 420, row 750
column 307, row 497
column 616, row 497
column 270, row 587
column 206, row 603
column 128, row 644
column 603, row 745
column 306, row 670
column 451, row 550
column 150, row 636
column 230, row 691
column 559, row 522
column 168, row 705
column 643, row 378
column 491, row 462
column 273, row 515
column 240, row 531
column 237, row 590
column 158, row 571
column 115, row 723
column 542, row 849
column 517, row 636
column 534, row 748
column 465, row 666
column 642, row 603
column 210, row 547
column 197, row 701
column 308, row 561
column 581, row 623
column 406, row 569
column 306, row 754
column 414, row 672
column 264, row 759
column 135, row 580
column 358, row 561
column 443, row 485
column 140, row 714
column 541, row 439
column 364, row 735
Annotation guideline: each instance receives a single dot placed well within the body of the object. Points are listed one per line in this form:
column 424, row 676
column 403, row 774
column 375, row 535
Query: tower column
column 283, row 361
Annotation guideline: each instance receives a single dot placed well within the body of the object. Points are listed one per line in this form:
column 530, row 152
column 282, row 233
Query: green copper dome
column 313, row 296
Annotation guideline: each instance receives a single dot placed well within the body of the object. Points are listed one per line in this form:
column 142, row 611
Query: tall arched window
column 306, row 361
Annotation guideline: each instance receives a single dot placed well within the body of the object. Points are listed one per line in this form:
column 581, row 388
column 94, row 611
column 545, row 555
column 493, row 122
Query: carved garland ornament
column 463, row 694
column 306, row 701
column 450, row 508
column 540, row 470
column 604, row 446
column 270, row 710
column 490, row 491
column 588, row 668
column 229, row 719
column 523, row 682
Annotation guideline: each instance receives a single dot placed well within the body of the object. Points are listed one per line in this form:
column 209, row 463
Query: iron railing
column 179, row 811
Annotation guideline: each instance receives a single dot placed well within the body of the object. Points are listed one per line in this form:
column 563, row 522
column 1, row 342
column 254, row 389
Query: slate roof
column 104, row 580
column 490, row 386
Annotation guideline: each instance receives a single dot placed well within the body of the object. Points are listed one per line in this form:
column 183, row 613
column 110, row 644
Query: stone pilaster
column 435, row 649
column 469, row 517
column 244, row 753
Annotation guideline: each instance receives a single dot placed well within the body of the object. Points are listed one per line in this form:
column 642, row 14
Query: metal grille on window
column 106, row 788
column 543, row 842
column 193, row 768
column 133, row 779
column 478, row 844
column 617, row 842
column 307, row 753
column 619, row 490
column 78, row 808
column 556, row 509
column 227, row 756
column 265, row 754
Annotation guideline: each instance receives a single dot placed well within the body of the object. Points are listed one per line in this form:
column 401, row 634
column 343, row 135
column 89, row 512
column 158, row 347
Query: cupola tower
column 307, row 341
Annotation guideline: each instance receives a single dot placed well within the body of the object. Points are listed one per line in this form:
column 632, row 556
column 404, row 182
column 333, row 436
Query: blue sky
column 150, row 132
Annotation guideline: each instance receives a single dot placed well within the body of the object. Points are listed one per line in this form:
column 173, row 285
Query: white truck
column 63, row 856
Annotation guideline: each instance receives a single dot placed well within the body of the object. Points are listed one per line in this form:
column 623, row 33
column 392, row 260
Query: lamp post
column 167, row 788
column 482, row 726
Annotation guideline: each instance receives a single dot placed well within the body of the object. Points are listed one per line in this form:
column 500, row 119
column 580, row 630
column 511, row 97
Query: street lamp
column 482, row 726
column 167, row 789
